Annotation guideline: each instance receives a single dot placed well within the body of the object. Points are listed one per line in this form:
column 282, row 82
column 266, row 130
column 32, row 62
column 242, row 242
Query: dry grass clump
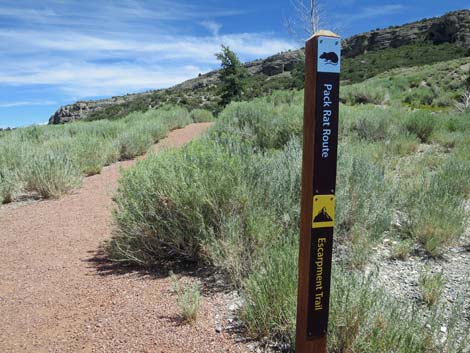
column 189, row 299
column 431, row 286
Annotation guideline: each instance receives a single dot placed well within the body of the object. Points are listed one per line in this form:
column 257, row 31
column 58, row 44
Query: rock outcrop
column 82, row 109
column 453, row 27
column 272, row 66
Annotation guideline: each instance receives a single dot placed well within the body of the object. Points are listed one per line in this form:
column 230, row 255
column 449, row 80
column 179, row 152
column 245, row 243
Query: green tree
column 233, row 76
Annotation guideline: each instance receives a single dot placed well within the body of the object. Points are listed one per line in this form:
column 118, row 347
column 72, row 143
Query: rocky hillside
column 273, row 66
column 277, row 71
column 453, row 27
column 82, row 109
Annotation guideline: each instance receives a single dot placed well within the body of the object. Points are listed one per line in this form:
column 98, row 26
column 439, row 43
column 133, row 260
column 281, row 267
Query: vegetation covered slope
column 232, row 201
column 363, row 66
column 428, row 86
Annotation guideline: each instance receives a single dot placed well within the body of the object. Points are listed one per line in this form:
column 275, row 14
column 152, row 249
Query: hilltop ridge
column 274, row 71
column 453, row 27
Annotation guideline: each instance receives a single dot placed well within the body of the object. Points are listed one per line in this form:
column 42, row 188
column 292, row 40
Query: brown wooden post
column 322, row 64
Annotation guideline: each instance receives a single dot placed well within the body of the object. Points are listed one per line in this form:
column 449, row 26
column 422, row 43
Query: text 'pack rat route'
column 326, row 89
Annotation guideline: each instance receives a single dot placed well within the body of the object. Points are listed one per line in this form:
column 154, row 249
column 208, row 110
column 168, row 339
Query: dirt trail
column 54, row 298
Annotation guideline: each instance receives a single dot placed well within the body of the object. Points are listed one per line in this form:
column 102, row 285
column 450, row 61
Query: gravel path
column 55, row 296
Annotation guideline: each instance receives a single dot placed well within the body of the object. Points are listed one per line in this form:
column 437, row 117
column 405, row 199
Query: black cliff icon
column 330, row 58
column 322, row 216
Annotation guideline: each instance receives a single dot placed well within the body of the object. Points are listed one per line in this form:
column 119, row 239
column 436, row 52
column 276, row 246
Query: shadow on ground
column 211, row 280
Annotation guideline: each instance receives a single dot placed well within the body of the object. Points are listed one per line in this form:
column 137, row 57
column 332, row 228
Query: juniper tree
column 233, row 76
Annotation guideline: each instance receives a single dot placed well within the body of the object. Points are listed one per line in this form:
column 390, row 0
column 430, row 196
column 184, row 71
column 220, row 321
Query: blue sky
column 54, row 52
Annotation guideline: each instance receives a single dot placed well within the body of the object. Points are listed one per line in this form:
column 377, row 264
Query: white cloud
column 119, row 12
column 26, row 103
column 99, row 48
column 168, row 46
column 377, row 11
column 87, row 80
column 85, row 65
column 27, row 14
column 212, row 26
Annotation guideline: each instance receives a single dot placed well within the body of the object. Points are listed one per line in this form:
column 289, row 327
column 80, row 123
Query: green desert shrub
column 363, row 94
column 111, row 151
column 161, row 219
column 13, row 154
column 435, row 207
column 433, row 87
column 375, row 125
column 421, row 124
column 453, row 177
column 174, row 117
column 212, row 220
column 364, row 197
column 363, row 317
column 156, row 129
column 368, row 129
column 155, row 122
column 201, row 115
column 35, row 134
column 271, row 196
column 409, row 58
column 267, row 314
column 134, row 142
column 51, row 172
column 89, row 154
column 285, row 97
column 383, row 125
column 103, row 129
column 261, row 123
column 188, row 298
column 443, row 101
column 455, row 123
column 9, row 185
column 420, row 96
column 404, row 144
column 364, row 205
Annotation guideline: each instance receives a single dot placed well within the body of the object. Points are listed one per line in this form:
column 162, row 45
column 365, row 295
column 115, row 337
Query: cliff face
column 82, row 109
column 272, row 66
column 453, row 27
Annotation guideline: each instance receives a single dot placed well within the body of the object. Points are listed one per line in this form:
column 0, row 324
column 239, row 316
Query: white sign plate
column 329, row 54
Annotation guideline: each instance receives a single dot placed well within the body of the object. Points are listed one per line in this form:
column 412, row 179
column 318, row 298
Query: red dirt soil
column 54, row 298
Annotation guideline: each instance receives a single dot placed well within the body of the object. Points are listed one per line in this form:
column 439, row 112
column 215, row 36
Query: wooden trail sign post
column 322, row 67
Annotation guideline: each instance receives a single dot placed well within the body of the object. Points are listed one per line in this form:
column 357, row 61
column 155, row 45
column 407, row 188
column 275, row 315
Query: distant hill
column 367, row 65
column 364, row 55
